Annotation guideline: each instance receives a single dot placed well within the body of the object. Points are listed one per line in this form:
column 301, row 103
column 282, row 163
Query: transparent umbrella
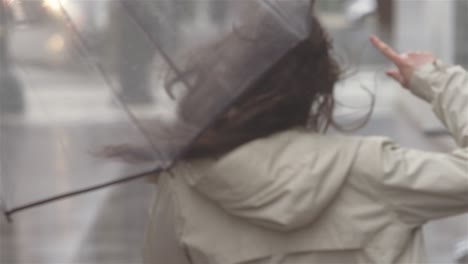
column 105, row 82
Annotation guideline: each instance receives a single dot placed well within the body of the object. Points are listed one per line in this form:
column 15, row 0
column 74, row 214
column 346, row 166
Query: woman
column 259, row 187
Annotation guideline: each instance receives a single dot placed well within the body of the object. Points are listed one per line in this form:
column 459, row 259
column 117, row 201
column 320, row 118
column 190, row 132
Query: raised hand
column 406, row 63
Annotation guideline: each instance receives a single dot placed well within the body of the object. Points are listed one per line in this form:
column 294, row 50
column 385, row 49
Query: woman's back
column 301, row 197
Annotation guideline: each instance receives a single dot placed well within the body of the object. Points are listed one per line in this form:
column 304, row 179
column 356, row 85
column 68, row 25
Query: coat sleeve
column 419, row 186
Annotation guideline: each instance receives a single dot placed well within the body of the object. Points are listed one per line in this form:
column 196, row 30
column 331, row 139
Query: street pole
column 11, row 96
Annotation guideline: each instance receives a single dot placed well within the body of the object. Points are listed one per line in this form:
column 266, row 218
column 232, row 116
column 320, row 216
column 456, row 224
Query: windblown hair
column 279, row 83
column 297, row 91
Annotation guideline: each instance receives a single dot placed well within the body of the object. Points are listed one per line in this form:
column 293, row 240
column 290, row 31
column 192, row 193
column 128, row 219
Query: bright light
column 52, row 5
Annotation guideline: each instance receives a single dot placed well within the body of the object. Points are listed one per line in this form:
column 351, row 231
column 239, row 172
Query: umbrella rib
column 157, row 170
column 177, row 71
column 275, row 10
column 14, row 210
column 108, row 81
column 150, row 37
column 9, row 213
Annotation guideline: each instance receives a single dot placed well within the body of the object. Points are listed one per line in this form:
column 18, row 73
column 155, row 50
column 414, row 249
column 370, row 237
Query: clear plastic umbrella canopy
column 84, row 80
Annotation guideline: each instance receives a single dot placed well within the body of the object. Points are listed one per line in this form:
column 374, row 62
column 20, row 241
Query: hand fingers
column 419, row 54
column 395, row 74
column 421, row 58
column 387, row 51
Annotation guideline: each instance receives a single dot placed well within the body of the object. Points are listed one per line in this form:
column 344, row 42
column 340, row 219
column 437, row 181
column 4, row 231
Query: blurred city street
column 74, row 104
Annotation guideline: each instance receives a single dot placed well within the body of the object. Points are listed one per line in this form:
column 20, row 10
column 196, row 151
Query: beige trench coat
column 302, row 198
